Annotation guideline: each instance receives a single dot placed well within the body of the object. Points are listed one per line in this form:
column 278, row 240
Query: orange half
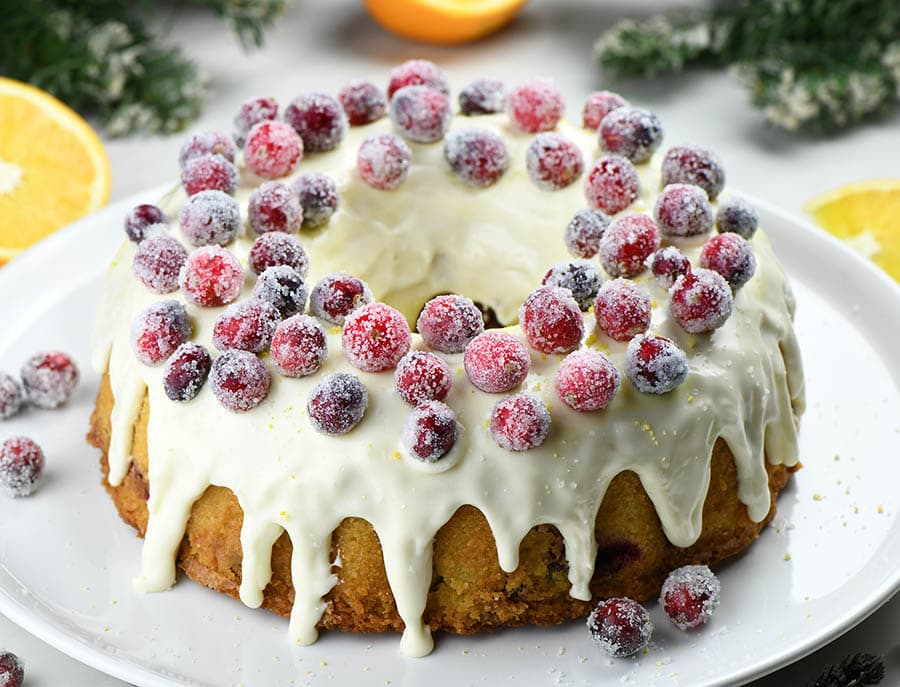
column 443, row 21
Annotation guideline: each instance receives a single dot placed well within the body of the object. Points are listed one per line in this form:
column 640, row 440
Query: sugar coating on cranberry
column 731, row 256
column 736, row 215
column 210, row 217
column 282, row 287
column 612, row 184
column 21, row 466
column 49, row 379
column 140, row 219
column 587, row 380
column 211, row 277
column 207, row 143
column 534, row 106
column 273, row 149
column 375, row 337
column 691, row 164
column 655, row 364
column 158, row 262
column 247, row 326
column 621, row 626
column 477, row 156
column 520, row 422
column 253, row 112
column 337, row 404
column 667, row 264
column 418, row 73
column 420, row 113
column 383, row 161
column 584, row 231
column 158, row 330
column 319, row 119
column 363, row 102
column 598, row 105
column 701, row 301
column 632, row 132
column 185, row 372
column 209, row 173
column 690, row 595
column 683, row 210
column 430, row 431
column 274, row 207
column 338, row 295
column 448, row 323
column 581, row 278
column 622, row 309
column 553, row 161
column 627, row 243
column 482, row 97
column 496, row 361
column 422, row 376
column 11, row 396
column 318, row 196
column 551, row 320
column 299, row 346
column 12, row 670
column 277, row 248
column 239, row 380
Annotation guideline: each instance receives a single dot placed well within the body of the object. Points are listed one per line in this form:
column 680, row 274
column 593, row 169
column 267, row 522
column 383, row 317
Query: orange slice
column 53, row 168
column 443, row 21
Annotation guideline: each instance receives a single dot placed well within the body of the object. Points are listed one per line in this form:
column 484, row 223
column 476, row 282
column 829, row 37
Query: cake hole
column 614, row 556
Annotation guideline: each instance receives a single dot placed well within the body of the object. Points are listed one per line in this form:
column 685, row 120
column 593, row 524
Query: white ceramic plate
column 831, row 557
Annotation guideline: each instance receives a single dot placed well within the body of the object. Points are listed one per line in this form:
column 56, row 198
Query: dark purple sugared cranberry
column 239, row 380
column 210, row 217
column 418, row 73
column 622, row 309
column 448, row 323
column 553, row 161
column 247, row 326
column 621, row 626
column 598, row 105
column 631, row 132
column 655, row 364
column 337, row 404
column 12, row 670
column 140, row 219
column 587, row 381
column 274, row 207
column 731, row 256
column 158, row 330
column 430, row 431
column 318, row 196
column 49, row 379
column 207, row 143
column 420, row 113
column 338, row 295
column 581, row 278
column 534, row 106
column 422, row 376
column 612, row 184
column 185, row 372
column 584, row 231
column 683, row 210
column 21, row 467
column 477, row 156
column 319, row 119
column 691, row 164
column 482, row 96
column 375, row 337
column 701, row 301
column 735, row 215
column 299, row 346
column 11, row 396
column 551, row 320
column 627, row 243
column 273, row 149
column 363, row 102
column 277, row 248
column 690, row 595
column 158, row 262
column 383, row 161
column 667, row 264
column 284, row 288
column 496, row 361
column 209, row 173
column 253, row 112
column 211, row 277
column 520, row 422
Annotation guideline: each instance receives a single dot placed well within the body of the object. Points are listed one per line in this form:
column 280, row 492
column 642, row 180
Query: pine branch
column 854, row 671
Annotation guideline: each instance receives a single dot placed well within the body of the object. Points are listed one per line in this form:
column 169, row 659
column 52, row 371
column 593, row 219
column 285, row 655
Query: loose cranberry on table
column 683, row 210
column 21, row 468
column 318, row 196
column 239, row 380
column 284, row 288
column 418, row 73
column 207, row 143
column 731, row 256
column 209, row 173
column 701, row 301
column 627, row 243
column 142, row 220
column 422, row 376
column 49, row 379
column 246, row 326
column 273, row 149
column 158, row 262
column 535, row 106
column 598, row 105
column 587, row 381
column 375, row 337
column 621, row 626
column 420, row 113
column 482, row 97
column 11, row 396
column 448, row 323
column 158, row 330
column 253, row 112
column 520, row 422
column 430, row 431
column 631, row 132
column 690, row 595
column 185, row 372
column 383, row 161
column 211, row 277
column 691, row 164
column 736, row 215
column 277, row 248
column 622, row 309
column 299, row 346
column 12, row 670
column 496, row 361
column 338, row 295
column 584, row 231
column 551, row 320
column 363, row 102
column 553, row 161
column 477, row 156
column 581, row 278
column 210, row 217
column 337, row 404
column 274, row 207
column 655, row 364
column 612, row 184
column 667, row 264
column 319, row 119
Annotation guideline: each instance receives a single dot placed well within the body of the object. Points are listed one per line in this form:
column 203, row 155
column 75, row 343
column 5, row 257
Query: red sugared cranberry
column 655, row 364
column 430, row 431
column 551, row 320
column 420, row 113
column 553, row 161
column 477, row 156
column 448, row 323
column 383, row 161
column 299, row 346
column 620, row 627
column 21, row 467
column 185, row 372
column 49, row 379
column 337, row 404
column 422, row 376
column 612, row 184
column 622, row 309
column 631, row 132
column 211, row 277
column 207, row 143
column 689, row 596
column 247, row 326
column 482, row 96
column 140, row 219
column 209, row 173
column 701, row 301
column 273, row 149
column 667, row 264
column 11, row 396
column 691, row 164
column 363, row 102
column 496, row 361
column 319, row 119
column 737, row 216
column 158, row 330
column 277, row 248
column 683, row 210
column 338, row 295
column 587, row 380
column 239, row 380
column 418, row 73
column 12, row 671
column 535, row 105
column 274, row 207
column 253, row 112
column 731, row 256
column 283, row 287
column 520, row 422
column 581, row 278
column 375, row 337
column 158, row 262
column 584, row 232
column 598, row 105
column 627, row 243
column 318, row 196
column 210, row 217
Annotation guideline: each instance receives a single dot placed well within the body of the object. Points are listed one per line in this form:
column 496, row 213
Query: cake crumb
column 787, row 556
column 817, row 497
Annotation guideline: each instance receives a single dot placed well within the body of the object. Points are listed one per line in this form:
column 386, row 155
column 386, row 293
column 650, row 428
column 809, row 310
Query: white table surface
column 321, row 45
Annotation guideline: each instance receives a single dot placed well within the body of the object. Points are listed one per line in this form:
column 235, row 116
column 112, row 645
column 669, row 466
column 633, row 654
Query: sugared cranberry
column 496, row 361
column 690, row 595
column 418, row 73
column 655, row 364
column 612, row 184
column 584, row 231
column 701, row 301
column 482, row 96
column 683, row 210
column 691, row 164
column 551, row 320
column 247, row 326
column 319, row 119
column 337, row 404
column 11, row 396
column 627, row 243
column 318, row 196
column 274, row 207
column 273, row 149
column 253, row 112
column 587, row 380
column 209, row 173
column 520, row 422
column 284, row 288
column 210, row 217
column 158, row 330
column 731, row 256
column 239, row 380
column 631, row 132
column 49, row 379
column 667, row 264
column 158, row 262
column 383, row 161
column 299, row 346
column 185, row 372
column 140, row 219
column 598, row 105
column 620, row 627
column 448, row 323
column 535, row 105
column 375, row 337
column 207, row 143
column 338, row 295
column 422, row 376
column 420, row 113
column 211, row 277
column 736, row 215
column 553, row 161
column 276, row 248
column 12, row 671
column 477, row 156
column 363, row 102
column 430, row 431
column 622, row 309
column 581, row 278
column 21, row 467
